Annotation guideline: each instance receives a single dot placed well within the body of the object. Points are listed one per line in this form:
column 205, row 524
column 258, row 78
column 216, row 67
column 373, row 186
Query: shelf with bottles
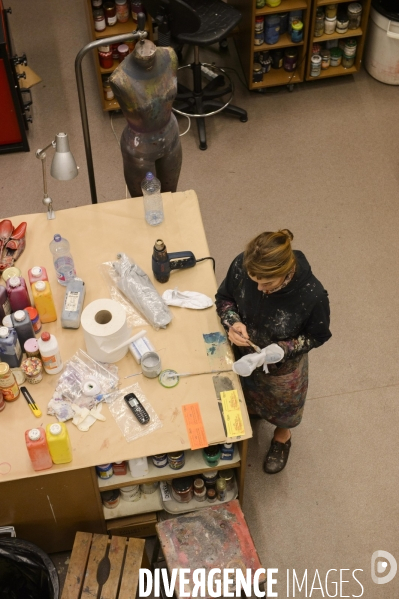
column 174, row 507
column 283, row 70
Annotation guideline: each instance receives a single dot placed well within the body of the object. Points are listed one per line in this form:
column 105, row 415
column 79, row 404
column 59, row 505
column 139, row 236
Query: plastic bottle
column 10, row 348
column 59, row 443
column 138, row 467
column 38, row 450
column 35, row 319
column 153, row 207
column 5, row 307
column 50, row 353
column 23, row 326
column 63, row 261
column 44, row 302
column 73, row 304
column 37, row 273
column 17, row 293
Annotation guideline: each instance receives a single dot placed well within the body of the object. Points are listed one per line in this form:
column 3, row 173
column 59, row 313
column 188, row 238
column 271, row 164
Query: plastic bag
column 133, row 317
column 26, row 572
column 127, row 422
column 139, row 290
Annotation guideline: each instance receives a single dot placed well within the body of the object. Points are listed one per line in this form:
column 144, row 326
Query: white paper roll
column 105, row 327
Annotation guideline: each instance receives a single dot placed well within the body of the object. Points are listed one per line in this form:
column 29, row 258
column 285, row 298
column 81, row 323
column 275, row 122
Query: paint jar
column 228, row 476
column 283, row 22
column 10, row 349
column 176, row 460
column 17, row 293
column 31, row 348
column 149, row 488
column 12, row 271
column 105, row 57
column 136, row 7
column 8, row 384
column 199, row 490
column 23, row 326
column 348, row 61
column 316, row 48
column 131, row 493
column 114, row 49
column 160, row 460
column 2, row 402
column 265, row 61
column 110, row 13
column 325, row 59
column 123, row 51
column 110, row 499
column 59, row 443
column 122, row 10
column 151, row 365
column 34, row 318
column 211, row 495
column 38, row 450
column 329, row 25
column 19, row 375
column 33, row 370
column 221, row 489
column 331, row 10
column 336, row 57
column 315, row 65
column 319, row 24
column 354, row 15
column 99, row 20
column 5, row 307
column 342, row 24
column 210, row 479
column 294, row 15
column 297, row 32
column 37, row 273
column 104, row 471
column 211, row 455
column 182, row 489
column 138, row 467
column 257, row 73
column 272, row 29
column 119, row 468
column 259, row 28
column 50, row 353
column 227, row 451
column 277, row 59
column 290, row 62
column 350, row 47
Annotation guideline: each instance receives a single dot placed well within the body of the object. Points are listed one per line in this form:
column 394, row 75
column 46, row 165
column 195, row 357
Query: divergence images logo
column 379, row 567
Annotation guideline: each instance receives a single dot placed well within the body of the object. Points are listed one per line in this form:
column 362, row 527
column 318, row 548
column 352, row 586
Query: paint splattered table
column 217, row 537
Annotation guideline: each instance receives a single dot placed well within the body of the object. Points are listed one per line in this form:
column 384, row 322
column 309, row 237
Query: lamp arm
column 134, row 35
column 39, row 153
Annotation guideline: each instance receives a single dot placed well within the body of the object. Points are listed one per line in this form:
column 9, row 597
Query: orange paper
column 194, row 425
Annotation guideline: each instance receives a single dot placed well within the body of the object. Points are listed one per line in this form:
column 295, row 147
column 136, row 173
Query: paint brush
column 255, row 347
column 171, row 375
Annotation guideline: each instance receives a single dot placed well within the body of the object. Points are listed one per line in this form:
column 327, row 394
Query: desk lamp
column 63, row 167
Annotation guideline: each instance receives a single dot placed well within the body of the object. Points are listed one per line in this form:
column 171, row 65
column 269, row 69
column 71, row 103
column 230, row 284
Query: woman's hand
column 235, row 337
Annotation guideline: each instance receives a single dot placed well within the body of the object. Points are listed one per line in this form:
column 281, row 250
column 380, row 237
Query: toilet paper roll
column 105, row 328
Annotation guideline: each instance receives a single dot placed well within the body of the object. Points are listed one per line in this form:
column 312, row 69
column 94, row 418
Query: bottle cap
column 33, row 313
column 34, row 434
column 7, row 321
column 36, row 271
column 12, row 271
column 40, row 286
column 4, row 332
column 149, row 176
column 55, row 429
column 57, row 237
column 45, row 336
column 31, row 345
column 123, row 48
column 4, row 368
column 14, row 281
column 19, row 315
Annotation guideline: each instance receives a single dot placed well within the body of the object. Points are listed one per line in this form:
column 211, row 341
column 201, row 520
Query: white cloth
column 186, row 299
column 84, row 418
column 269, row 355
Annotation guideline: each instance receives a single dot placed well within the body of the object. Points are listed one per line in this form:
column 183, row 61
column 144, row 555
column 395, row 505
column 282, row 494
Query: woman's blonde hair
column 270, row 255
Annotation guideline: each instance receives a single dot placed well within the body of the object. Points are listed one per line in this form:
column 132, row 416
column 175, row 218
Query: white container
column 330, row 25
column 382, row 48
column 73, row 304
column 138, row 467
column 50, row 353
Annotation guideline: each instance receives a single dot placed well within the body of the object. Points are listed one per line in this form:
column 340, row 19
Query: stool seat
column 217, row 20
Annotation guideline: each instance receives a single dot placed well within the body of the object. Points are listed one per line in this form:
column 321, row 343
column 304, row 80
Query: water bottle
column 63, row 261
column 153, row 207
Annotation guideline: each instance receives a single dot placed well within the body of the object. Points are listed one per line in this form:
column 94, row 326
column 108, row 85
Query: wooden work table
column 48, row 507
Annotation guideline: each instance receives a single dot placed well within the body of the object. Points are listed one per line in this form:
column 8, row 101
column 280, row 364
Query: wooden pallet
column 103, row 567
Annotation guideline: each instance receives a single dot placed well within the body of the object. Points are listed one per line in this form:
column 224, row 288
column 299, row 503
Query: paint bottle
column 73, row 304
column 8, row 384
column 17, row 293
column 31, row 348
column 23, row 326
column 59, row 443
column 5, row 307
column 35, row 319
column 37, row 273
column 10, row 348
column 38, row 450
column 50, row 353
column 221, row 489
column 44, row 302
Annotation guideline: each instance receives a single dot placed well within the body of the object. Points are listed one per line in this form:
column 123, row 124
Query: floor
column 322, row 161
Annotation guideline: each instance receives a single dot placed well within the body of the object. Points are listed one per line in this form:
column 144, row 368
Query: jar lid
column 7, row 321
column 227, row 474
column 31, row 366
column 290, row 53
column 98, row 13
column 331, row 19
column 109, row 6
column 297, row 25
column 130, row 488
column 325, row 53
column 104, row 48
column 123, row 48
column 4, row 332
column 14, row 281
column 105, row 466
column 19, row 315
column 354, row 7
column 210, row 475
column 180, row 485
column 352, row 43
column 121, row 2
column 331, row 6
column 12, row 271
column 221, row 483
column 316, row 59
column 199, row 483
column 211, row 493
column 40, row 286
column 33, row 313
column 176, row 456
column 336, row 52
column 212, row 451
column 257, row 67
column 45, row 336
column 34, row 434
column 4, row 368
column 31, row 345
column 342, row 21
column 36, row 271
column 55, row 429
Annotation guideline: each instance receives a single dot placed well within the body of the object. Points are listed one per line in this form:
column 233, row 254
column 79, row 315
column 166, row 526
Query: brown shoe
column 277, row 457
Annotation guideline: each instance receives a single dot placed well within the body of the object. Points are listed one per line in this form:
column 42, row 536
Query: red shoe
column 6, row 230
column 12, row 248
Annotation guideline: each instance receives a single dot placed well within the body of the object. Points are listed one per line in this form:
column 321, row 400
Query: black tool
column 163, row 263
column 137, row 408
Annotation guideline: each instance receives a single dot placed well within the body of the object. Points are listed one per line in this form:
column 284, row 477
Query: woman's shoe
column 12, row 247
column 277, row 457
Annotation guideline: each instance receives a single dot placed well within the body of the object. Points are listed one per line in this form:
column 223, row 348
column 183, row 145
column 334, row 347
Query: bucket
column 382, row 50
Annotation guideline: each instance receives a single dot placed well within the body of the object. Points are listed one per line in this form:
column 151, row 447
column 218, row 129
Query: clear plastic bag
column 139, row 290
column 133, row 317
column 124, row 418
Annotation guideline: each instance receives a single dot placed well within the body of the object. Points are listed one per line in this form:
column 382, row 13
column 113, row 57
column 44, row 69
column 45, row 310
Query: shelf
column 146, row 503
column 337, row 36
column 118, row 29
column 285, row 6
column 283, row 42
column 324, row 2
column 174, row 507
column 334, row 72
column 194, row 465
column 278, row 77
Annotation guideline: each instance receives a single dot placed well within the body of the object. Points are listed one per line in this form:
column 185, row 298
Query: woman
column 271, row 296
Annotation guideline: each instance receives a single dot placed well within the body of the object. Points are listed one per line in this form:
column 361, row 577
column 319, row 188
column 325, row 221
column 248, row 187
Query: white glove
column 269, row 355
column 186, row 299
column 85, row 418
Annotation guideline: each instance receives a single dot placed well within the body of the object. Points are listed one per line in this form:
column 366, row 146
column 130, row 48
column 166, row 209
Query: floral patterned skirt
column 278, row 397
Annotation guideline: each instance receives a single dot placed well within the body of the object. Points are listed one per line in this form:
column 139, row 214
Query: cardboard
column 31, row 78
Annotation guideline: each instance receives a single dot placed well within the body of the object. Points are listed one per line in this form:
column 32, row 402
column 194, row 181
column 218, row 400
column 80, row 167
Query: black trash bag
column 26, row 572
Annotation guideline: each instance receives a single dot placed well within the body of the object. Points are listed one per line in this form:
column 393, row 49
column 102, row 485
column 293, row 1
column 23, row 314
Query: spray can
column 59, row 443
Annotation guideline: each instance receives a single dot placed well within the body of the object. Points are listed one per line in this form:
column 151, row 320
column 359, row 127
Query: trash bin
column 382, row 47
column 26, row 572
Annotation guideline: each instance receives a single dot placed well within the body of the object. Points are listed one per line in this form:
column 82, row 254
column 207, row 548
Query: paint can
column 211, row 455
column 160, row 460
column 130, row 493
column 151, row 364
column 149, row 488
column 104, row 471
column 176, row 460
column 182, row 489
column 110, row 499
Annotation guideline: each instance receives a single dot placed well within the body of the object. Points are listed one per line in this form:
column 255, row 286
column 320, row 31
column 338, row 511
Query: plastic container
column 34, row 318
column 294, row 15
column 153, row 206
column 59, row 443
column 325, row 59
column 382, row 45
column 62, row 258
column 348, row 61
column 138, row 467
column 8, row 384
column 330, row 25
column 342, row 25
column 355, row 15
column 335, row 57
column 10, row 348
column 319, row 24
column 211, row 455
column 119, row 468
column 272, row 29
column 296, row 32
column 350, row 47
column 331, row 10
column 5, row 307
column 31, row 348
column 315, row 65
column 73, row 304
column 50, row 353
column 17, row 294
column 37, row 273
column 44, row 302
column 23, row 326
column 38, row 450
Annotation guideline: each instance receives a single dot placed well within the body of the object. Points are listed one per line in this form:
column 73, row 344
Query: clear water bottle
column 153, row 207
column 63, row 261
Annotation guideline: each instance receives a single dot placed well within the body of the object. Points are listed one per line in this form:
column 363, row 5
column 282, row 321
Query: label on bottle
column 165, row 490
column 7, row 307
column 111, row 21
column 72, row 301
column 64, row 268
column 51, row 362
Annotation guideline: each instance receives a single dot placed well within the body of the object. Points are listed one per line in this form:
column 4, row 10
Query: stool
column 214, row 537
column 104, row 567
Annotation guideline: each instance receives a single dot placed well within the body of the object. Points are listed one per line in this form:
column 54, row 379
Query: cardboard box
column 139, row 526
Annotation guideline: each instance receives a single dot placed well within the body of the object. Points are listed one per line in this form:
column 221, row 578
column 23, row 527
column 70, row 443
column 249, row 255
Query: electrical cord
column 207, row 258
column 188, row 128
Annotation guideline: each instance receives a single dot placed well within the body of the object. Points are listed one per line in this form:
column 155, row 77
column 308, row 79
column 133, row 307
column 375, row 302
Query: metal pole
column 134, row 35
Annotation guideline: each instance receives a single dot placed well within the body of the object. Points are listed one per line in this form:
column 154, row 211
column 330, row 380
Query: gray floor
column 322, row 161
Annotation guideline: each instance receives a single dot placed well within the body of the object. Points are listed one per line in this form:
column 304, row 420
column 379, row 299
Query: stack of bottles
column 269, row 28
column 333, row 54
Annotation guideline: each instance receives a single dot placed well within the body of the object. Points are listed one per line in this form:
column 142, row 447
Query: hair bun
column 287, row 232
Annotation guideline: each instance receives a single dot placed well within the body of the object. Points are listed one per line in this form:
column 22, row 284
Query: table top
column 96, row 234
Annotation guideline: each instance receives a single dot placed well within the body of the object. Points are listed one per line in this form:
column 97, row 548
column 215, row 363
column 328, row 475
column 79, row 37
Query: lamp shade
column 63, row 166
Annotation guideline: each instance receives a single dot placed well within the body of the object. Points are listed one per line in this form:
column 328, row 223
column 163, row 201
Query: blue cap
column 57, row 237
column 149, row 176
